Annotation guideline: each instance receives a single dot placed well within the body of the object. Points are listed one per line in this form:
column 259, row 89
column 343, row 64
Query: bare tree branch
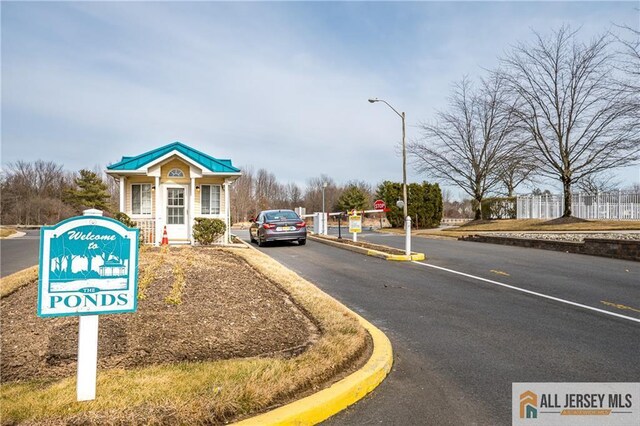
column 470, row 140
column 580, row 121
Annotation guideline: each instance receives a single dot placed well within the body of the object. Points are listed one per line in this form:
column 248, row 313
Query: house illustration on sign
column 171, row 186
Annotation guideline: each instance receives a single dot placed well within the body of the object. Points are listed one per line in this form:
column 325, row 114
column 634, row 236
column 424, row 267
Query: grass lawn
column 526, row 225
column 209, row 391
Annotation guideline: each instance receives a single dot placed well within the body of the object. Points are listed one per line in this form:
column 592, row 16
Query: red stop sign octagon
column 379, row 205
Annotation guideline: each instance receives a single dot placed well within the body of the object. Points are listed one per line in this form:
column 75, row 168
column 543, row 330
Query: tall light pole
column 407, row 218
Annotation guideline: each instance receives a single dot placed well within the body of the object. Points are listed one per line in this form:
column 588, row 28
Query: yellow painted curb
column 404, row 257
column 324, row 404
column 369, row 252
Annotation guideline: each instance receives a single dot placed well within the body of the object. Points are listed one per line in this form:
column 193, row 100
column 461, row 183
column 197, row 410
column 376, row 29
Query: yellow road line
column 495, row 271
column 620, row 306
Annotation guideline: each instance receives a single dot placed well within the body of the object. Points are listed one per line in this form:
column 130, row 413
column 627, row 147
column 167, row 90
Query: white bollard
column 355, row 237
column 325, row 221
column 407, row 238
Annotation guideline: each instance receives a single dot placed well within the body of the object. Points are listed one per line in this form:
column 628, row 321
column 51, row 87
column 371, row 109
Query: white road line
column 545, row 296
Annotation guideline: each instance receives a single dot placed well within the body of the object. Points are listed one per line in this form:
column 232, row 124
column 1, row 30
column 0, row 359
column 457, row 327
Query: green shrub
column 206, row 231
column 499, row 208
column 424, row 203
column 125, row 219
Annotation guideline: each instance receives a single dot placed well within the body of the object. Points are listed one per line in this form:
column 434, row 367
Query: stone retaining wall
column 618, row 249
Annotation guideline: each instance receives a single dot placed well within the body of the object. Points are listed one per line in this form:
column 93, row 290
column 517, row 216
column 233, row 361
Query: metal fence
column 147, row 230
column 617, row 205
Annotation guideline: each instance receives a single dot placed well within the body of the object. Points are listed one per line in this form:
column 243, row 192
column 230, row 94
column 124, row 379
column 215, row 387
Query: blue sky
column 282, row 86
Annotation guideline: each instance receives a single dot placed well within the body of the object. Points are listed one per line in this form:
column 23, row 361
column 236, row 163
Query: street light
column 407, row 218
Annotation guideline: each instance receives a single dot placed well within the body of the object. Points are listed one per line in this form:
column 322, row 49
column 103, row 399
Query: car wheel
column 302, row 242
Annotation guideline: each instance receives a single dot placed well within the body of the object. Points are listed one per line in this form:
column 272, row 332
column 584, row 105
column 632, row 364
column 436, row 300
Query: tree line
column 558, row 109
column 42, row 192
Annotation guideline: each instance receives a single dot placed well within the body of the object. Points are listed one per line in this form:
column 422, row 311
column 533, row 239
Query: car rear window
column 282, row 215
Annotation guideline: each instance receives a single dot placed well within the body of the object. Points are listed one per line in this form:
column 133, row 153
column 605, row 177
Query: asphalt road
column 460, row 342
column 19, row 253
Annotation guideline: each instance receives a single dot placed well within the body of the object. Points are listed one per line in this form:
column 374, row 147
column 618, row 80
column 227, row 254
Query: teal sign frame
column 88, row 266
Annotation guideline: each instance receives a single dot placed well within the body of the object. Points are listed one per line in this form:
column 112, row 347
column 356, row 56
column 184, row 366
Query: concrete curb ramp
column 324, row 404
column 369, row 252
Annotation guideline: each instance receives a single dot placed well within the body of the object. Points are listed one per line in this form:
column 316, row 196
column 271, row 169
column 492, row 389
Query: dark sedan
column 278, row 225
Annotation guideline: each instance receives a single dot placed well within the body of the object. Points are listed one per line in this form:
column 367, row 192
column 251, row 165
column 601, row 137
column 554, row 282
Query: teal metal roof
column 208, row 162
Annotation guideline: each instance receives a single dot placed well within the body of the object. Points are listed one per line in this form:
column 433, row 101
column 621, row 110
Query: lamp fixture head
column 372, row 100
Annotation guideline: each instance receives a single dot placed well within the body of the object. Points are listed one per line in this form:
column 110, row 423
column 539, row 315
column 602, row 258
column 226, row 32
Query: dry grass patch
column 12, row 282
column 5, row 232
column 211, row 391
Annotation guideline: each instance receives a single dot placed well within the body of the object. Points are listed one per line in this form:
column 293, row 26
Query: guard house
column 171, row 186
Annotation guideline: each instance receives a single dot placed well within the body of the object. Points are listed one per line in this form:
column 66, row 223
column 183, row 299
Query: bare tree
column 31, row 193
column 580, row 122
column 266, row 190
column 293, row 195
column 471, row 140
column 313, row 193
column 629, row 60
column 243, row 203
column 601, row 182
column 515, row 172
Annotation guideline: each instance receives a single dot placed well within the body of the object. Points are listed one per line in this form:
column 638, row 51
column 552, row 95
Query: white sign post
column 87, row 348
column 88, row 266
column 87, row 357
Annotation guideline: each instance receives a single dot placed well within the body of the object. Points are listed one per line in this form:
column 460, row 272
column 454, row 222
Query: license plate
column 286, row 228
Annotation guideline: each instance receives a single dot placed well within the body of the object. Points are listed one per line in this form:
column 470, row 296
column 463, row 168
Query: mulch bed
column 227, row 311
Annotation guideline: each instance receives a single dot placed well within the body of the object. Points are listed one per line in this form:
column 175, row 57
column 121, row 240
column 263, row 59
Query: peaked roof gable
column 213, row 164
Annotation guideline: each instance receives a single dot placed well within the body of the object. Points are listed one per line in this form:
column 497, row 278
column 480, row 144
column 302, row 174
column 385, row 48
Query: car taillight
column 268, row 225
column 300, row 225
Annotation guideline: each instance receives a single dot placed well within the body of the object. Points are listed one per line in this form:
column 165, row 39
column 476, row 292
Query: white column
column 227, row 212
column 192, row 208
column 159, row 209
column 123, row 188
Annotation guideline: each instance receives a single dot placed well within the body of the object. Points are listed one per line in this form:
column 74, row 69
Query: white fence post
column 619, row 204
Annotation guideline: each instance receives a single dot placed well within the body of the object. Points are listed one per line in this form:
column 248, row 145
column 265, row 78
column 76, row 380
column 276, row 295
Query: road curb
column 369, row 252
column 324, row 404
column 320, row 406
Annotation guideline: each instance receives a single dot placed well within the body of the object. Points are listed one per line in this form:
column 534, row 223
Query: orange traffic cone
column 165, row 238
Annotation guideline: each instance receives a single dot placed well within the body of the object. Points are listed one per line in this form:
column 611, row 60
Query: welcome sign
column 88, row 266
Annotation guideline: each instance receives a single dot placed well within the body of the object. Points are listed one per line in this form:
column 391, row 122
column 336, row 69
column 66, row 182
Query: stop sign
column 379, row 205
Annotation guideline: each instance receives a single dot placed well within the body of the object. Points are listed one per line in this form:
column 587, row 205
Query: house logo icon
column 528, row 405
